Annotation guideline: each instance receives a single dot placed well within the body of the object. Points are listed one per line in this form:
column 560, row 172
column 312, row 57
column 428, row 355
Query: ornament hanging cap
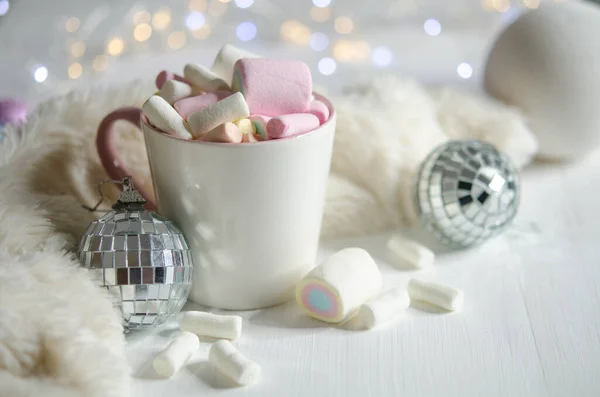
column 129, row 197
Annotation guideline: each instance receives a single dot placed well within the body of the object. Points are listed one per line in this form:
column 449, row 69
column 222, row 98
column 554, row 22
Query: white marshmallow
column 165, row 117
column 228, row 109
column 333, row 291
column 408, row 252
column 203, row 78
column 384, row 307
column 213, row 325
column 174, row 90
column 226, row 59
column 440, row 295
column 227, row 359
column 180, row 350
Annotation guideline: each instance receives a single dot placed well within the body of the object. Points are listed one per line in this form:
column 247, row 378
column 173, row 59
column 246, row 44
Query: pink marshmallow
column 273, row 87
column 260, row 124
column 291, row 124
column 223, row 133
column 165, row 76
column 187, row 106
column 320, row 110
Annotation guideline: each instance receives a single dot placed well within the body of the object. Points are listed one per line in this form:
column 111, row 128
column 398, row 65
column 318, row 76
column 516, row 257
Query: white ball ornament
column 547, row 63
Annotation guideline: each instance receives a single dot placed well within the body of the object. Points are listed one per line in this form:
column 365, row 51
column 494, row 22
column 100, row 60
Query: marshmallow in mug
column 245, row 126
column 190, row 105
column 250, row 138
column 173, row 90
column 162, row 115
column 320, row 110
column 289, row 125
column 260, row 124
column 226, row 110
column 203, row 78
column 165, row 76
column 226, row 59
column 273, row 87
column 223, row 133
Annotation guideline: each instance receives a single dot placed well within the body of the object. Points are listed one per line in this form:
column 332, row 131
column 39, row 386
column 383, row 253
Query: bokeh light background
column 50, row 47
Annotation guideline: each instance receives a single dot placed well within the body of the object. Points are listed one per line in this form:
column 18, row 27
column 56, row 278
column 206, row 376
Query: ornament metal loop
column 129, row 197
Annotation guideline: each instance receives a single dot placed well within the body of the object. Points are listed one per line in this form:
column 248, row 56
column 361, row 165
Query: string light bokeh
column 332, row 36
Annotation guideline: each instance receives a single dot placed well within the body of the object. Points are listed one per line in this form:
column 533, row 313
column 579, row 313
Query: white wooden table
column 530, row 326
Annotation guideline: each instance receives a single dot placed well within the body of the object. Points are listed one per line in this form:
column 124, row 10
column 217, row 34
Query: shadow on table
column 286, row 315
column 146, row 371
column 168, row 332
column 427, row 308
column 210, row 376
column 289, row 315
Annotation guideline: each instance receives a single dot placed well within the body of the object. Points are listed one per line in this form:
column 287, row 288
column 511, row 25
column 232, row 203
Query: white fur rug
column 59, row 335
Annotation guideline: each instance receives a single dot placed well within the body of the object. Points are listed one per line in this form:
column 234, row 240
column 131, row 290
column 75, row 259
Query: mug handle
column 109, row 155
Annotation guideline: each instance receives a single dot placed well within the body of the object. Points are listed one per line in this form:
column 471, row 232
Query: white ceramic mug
column 251, row 212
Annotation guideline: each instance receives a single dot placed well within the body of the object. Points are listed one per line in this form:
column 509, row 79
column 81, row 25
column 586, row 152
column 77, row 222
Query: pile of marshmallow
column 242, row 98
column 345, row 285
column 223, row 356
column 348, row 284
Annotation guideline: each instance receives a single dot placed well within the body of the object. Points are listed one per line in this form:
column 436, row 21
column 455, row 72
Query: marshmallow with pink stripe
column 334, row 291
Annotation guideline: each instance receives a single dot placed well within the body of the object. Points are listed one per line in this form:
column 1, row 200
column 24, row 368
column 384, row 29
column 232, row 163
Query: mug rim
column 332, row 114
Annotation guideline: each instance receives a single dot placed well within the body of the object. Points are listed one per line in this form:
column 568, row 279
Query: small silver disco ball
column 144, row 260
column 467, row 192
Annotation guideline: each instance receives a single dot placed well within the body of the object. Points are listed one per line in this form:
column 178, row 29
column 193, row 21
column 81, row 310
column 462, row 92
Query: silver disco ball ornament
column 467, row 192
column 141, row 258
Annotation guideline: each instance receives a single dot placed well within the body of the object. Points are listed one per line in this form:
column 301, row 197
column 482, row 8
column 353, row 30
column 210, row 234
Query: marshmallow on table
column 384, row 307
column 165, row 76
column 320, row 110
column 226, row 59
column 212, row 325
column 333, row 291
column 180, row 350
column 223, row 133
column 226, row 110
column 227, row 359
column 291, row 124
column 164, row 117
column 173, row 90
column 203, row 78
column 408, row 252
column 273, row 86
column 260, row 124
column 437, row 294
column 187, row 106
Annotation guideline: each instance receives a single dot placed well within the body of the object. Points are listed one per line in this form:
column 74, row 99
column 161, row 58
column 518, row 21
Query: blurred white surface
column 74, row 39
